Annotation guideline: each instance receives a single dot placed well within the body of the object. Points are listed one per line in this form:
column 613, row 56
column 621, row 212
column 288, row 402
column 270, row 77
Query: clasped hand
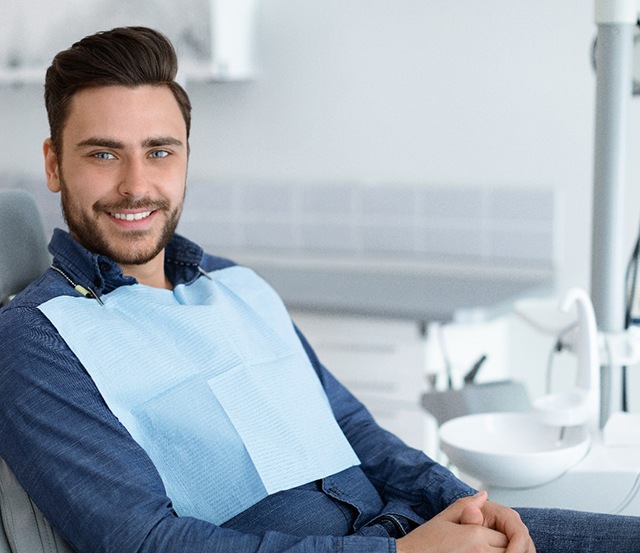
column 470, row 525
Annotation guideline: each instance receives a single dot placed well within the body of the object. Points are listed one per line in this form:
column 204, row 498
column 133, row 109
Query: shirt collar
column 103, row 275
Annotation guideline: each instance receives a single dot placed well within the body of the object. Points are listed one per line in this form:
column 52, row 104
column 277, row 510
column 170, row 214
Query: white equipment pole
column 616, row 20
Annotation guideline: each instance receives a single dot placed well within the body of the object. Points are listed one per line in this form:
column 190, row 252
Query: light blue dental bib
column 212, row 381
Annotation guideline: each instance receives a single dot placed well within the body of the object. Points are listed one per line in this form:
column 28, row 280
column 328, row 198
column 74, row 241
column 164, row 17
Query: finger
column 472, row 511
column 509, row 523
column 472, row 514
column 487, row 536
column 521, row 543
column 479, row 499
column 472, row 505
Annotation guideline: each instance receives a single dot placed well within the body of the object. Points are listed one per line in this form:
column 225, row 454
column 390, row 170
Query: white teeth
column 131, row 216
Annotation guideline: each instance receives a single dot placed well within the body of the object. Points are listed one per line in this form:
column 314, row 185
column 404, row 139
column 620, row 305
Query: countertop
column 424, row 291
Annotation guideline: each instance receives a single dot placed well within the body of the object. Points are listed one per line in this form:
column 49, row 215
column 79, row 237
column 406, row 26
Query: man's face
column 122, row 171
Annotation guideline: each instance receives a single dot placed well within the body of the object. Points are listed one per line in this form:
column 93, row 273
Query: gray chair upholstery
column 23, row 257
column 23, row 245
column 24, row 528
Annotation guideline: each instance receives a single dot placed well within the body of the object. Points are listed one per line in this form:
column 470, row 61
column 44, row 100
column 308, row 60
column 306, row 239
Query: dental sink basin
column 512, row 450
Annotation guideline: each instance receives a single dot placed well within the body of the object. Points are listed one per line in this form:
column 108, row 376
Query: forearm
column 398, row 471
column 403, row 473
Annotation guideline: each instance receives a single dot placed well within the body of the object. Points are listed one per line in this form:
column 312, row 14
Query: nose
column 133, row 179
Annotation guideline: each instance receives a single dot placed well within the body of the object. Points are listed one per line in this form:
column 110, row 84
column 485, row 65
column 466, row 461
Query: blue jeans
column 565, row 531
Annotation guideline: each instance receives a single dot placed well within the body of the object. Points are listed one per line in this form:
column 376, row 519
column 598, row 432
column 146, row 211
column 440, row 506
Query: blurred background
column 387, row 165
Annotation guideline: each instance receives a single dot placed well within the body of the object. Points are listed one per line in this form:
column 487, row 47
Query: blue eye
column 159, row 154
column 104, row 155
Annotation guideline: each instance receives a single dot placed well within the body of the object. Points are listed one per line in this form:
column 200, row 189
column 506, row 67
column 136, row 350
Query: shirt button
column 104, row 267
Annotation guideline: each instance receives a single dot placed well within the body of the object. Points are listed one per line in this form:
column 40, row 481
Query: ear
column 51, row 166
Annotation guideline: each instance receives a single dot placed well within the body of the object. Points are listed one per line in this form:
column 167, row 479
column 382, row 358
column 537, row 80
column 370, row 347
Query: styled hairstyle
column 125, row 56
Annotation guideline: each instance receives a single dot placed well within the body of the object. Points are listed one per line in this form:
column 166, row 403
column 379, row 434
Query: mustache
column 146, row 204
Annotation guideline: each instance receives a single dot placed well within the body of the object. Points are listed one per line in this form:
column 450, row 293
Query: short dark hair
column 125, row 56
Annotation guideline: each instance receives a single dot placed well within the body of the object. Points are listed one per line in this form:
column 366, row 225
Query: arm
column 398, row 471
column 93, row 482
column 459, row 519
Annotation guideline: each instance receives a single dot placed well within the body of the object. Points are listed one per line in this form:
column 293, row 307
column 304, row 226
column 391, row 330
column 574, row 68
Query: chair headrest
column 23, row 244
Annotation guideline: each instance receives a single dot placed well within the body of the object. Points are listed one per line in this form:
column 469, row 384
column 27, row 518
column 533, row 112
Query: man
column 159, row 399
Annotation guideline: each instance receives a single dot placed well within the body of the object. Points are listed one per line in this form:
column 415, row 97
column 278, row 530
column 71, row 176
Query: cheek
column 175, row 185
column 78, row 194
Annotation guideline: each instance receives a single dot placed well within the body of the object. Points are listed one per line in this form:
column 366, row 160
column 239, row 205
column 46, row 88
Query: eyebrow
column 151, row 142
column 159, row 141
column 100, row 142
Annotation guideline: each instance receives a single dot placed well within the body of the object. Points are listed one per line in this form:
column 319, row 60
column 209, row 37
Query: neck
column 150, row 273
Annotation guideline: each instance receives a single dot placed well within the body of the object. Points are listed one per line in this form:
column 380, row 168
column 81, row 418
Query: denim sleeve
column 93, row 482
column 400, row 473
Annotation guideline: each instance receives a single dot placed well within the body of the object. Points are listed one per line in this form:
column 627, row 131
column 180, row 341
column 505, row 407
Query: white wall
column 448, row 92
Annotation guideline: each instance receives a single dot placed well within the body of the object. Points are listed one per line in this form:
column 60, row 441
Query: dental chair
column 23, row 258
column 23, row 245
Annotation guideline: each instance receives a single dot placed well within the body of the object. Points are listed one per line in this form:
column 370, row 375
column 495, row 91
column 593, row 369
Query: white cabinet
column 214, row 39
column 381, row 361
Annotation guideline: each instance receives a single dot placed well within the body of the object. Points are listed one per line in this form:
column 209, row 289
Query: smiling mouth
column 131, row 216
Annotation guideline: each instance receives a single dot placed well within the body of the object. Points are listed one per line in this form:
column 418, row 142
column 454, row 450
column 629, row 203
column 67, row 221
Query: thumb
column 472, row 511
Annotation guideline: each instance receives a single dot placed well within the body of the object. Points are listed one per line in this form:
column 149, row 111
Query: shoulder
column 46, row 287
column 212, row 263
column 25, row 330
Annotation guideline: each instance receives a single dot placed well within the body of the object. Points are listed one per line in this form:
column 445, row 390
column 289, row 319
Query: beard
column 128, row 247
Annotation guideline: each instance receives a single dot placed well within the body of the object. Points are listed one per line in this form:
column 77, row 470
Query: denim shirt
column 101, row 491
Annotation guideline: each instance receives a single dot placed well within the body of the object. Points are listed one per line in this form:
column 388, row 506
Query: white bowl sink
column 512, row 450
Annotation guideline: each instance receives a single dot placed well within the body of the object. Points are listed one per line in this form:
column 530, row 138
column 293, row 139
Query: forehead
column 125, row 113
